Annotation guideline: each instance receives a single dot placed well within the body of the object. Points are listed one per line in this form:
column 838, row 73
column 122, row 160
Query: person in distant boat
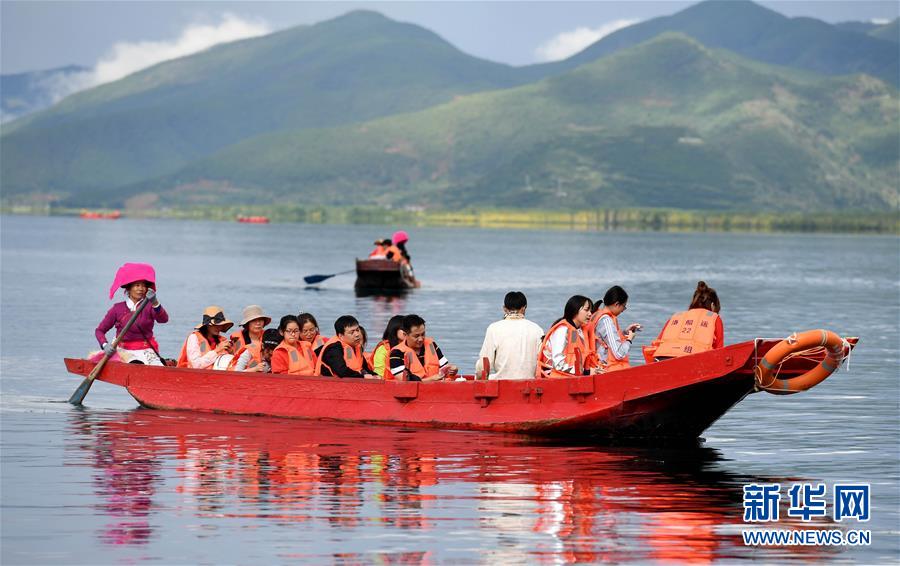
column 206, row 344
column 309, row 331
column 381, row 356
column 138, row 345
column 293, row 356
column 417, row 357
column 511, row 345
column 609, row 344
column 245, row 361
column 695, row 330
column 564, row 349
column 249, row 337
column 396, row 251
column 381, row 249
column 342, row 356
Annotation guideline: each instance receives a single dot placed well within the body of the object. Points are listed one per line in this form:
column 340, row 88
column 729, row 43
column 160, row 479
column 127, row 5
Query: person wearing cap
column 138, row 344
column 244, row 360
column 206, row 343
column 381, row 248
column 253, row 323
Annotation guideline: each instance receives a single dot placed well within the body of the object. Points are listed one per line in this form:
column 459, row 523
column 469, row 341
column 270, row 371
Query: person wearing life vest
column 249, row 337
column 417, row 357
column 309, row 331
column 564, row 348
column 293, row 356
column 245, row 358
column 610, row 344
column 396, row 251
column 381, row 249
column 695, row 330
column 342, row 356
column 206, row 344
column 381, row 355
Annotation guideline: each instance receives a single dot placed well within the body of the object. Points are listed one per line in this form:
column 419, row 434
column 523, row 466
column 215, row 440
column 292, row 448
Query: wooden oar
column 85, row 386
column 312, row 279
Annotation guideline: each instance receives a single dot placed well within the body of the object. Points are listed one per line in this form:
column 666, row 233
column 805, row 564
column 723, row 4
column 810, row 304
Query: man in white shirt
column 511, row 345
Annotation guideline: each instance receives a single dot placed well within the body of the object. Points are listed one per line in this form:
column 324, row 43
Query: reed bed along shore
column 639, row 219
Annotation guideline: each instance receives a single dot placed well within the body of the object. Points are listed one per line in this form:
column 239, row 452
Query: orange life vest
column 432, row 365
column 688, row 332
column 318, row 342
column 611, row 363
column 353, row 357
column 301, row 359
column 237, row 338
column 379, row 251
column 255, row 355
column 398, row 255
column 205, row 346
column 576, row 348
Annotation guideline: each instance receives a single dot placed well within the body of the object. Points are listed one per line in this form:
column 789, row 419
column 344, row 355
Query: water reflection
column 535, row 502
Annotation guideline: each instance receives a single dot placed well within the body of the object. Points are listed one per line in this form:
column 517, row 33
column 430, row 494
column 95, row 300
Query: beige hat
column 252, row 312
column 213, row 315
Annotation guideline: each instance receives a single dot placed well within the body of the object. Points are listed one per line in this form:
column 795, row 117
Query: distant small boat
column 383, row 275
column 97, row 215
column 253, row 219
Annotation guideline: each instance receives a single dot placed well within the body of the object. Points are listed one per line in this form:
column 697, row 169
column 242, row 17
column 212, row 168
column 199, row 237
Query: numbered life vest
column 353, row 357
column 301, row 359
column 255, row 355
column 205, row 346
column 576, row 350
column 688, row 332
column 411, row 360
column 611, row 363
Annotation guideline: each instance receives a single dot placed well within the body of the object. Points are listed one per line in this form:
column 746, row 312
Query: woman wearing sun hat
column 206, row 343
column 138, row 345
column 249, row 338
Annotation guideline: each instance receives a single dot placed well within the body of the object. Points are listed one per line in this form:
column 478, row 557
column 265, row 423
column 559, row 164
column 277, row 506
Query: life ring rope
column 823, row 346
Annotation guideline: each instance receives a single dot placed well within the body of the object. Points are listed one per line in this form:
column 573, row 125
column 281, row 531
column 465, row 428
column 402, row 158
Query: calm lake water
column 111, row 483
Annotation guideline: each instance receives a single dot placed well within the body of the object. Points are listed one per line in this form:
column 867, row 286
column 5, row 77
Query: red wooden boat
column 96, row 215
column 676, row 398
column 253, row 219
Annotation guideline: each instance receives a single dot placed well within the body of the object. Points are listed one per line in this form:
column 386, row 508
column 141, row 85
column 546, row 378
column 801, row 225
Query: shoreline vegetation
column 637, row 219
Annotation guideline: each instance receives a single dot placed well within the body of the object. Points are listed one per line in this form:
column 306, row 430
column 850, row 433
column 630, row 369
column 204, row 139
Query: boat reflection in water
column 504, row 498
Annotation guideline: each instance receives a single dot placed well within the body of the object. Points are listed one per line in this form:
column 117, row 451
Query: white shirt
column 511, row 345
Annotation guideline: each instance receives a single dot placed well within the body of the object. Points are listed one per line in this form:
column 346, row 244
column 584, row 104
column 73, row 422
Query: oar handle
column 85, row 386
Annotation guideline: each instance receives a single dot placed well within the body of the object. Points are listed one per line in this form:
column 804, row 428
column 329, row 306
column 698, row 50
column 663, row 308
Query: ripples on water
column 111, row 484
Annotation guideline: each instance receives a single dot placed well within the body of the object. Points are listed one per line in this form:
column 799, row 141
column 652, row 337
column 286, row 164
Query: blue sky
column 42, row 34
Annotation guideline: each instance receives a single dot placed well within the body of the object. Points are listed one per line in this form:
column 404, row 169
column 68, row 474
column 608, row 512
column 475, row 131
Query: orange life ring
column 835, row 348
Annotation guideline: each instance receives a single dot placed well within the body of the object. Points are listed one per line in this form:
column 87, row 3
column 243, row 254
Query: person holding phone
column 205, row 344
column 611, row 344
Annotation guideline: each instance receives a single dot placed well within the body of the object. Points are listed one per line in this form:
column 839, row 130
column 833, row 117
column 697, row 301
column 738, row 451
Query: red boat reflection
column 555, row 503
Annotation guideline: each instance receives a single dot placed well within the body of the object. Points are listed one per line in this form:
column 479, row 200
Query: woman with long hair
column 695, row 330
column 564, row 348
column 610, row 344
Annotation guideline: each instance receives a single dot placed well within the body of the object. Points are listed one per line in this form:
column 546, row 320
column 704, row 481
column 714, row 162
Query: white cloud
column 129, row 57
column 571, row 42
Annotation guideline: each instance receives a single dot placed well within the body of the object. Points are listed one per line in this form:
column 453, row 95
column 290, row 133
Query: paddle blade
column 311, row 279
column 81, row 392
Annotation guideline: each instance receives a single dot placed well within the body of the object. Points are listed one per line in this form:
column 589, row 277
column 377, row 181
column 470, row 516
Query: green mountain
column 756, row 32
column 667, row 123
column 350, row 69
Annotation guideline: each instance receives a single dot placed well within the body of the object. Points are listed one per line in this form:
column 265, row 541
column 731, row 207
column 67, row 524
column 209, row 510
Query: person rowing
column 138, row 344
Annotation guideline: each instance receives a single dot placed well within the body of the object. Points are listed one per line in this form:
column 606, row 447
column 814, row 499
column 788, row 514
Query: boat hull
column 673, row 399
column 382, row 276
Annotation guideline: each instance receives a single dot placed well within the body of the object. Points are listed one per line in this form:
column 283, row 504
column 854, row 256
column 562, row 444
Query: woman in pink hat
column 138, row 345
